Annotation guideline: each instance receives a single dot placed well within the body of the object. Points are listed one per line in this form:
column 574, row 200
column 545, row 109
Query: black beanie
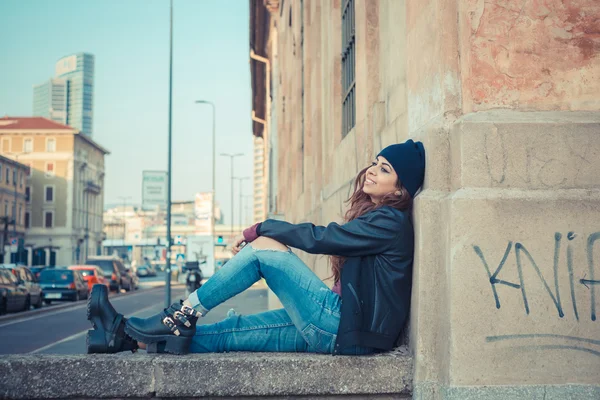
column 408, row 160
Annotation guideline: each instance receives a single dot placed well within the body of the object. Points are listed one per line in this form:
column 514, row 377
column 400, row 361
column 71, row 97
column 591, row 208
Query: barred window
column 348, row 67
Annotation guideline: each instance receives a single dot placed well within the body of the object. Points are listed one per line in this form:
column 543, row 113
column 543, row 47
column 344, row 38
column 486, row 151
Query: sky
column 130, row 42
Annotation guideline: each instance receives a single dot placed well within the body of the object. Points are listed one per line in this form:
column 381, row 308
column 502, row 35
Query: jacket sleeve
column 370, row 234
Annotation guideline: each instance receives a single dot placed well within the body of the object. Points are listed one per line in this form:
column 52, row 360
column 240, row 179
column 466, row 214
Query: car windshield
column 86, row 272
column 106, row 265
column 56, row 275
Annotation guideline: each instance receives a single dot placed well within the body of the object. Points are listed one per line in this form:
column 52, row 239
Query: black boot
column 170, row 331
column 108, row 335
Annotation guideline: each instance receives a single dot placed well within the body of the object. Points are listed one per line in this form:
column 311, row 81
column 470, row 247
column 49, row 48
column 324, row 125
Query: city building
column 504, row 96
column 65, row 188
column 140, row 235
column 13, row 198
column 68, row 97
column 51, row 99
column 259, row 193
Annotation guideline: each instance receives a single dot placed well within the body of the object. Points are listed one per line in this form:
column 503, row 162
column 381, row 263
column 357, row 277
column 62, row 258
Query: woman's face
column 380, row 179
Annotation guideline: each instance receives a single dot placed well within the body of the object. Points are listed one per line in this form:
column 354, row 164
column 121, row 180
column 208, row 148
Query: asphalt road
column 63, row 331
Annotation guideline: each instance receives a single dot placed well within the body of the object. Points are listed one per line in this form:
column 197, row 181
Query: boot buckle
column 178, row 315
column 169, row 323
column 190, row 311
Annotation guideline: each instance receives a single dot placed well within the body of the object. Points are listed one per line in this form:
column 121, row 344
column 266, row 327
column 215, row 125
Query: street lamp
column 214, row 157
column 232, row 156
column 169, row 163
column 124, row 199
column 248, row 213
column 241, row 195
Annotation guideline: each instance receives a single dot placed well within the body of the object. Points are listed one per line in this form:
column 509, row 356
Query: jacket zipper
column 355, row 296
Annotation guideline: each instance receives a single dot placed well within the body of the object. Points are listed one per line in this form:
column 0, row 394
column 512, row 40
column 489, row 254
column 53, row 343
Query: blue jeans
column 308, row 322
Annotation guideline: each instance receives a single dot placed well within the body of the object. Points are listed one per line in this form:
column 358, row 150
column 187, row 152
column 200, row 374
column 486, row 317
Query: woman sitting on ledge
column 371, row 257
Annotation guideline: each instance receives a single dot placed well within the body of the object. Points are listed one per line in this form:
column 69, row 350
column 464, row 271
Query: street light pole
column 169, row 162
column 232, row 156
column 214, row 158
column 124, row 198
column 248, row 213
column 241, row 196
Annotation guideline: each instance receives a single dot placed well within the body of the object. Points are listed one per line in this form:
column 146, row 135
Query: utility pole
column 169, row 162
column 241, row 196
column 249, row 214
column 124, row 199
column 231, row 157
column 214, row 168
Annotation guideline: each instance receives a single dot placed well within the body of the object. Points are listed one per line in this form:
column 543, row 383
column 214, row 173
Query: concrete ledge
column 215, row 375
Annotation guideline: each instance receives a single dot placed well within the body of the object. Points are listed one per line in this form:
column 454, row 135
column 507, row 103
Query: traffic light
column 220, row 241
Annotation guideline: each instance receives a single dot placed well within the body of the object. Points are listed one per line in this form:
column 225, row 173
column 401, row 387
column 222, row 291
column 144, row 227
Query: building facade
column 78, row 69
column 504, row 96
column 68, row 98
column 51, row 100
column 259, row 210
column 13, row 198
column 65, row 188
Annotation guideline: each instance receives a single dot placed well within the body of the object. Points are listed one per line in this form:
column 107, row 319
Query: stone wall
column 504, row 95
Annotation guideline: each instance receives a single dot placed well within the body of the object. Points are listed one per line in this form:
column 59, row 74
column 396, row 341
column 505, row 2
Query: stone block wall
column 504, row 95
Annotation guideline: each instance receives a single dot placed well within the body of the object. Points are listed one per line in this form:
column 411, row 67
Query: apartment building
column 13, row 217
column 64, row 188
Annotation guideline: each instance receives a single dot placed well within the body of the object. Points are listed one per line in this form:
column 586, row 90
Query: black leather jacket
column 376, row 277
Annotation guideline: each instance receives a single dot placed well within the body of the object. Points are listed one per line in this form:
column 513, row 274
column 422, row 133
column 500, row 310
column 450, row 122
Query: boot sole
column 95, row 342
column 93, row 309
column 161, row 343
column 96, row 338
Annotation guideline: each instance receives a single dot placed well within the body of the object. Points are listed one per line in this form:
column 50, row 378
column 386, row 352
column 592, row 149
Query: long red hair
column 361, row 203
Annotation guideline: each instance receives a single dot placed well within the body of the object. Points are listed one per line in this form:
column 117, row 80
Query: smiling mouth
column 369, row 182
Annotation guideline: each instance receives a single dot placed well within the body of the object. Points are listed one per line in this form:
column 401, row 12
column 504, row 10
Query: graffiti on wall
column 524, row 259
column 522, row 254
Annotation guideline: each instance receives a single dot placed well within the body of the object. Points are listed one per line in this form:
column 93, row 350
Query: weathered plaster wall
column 520, row 182
column 530, row 54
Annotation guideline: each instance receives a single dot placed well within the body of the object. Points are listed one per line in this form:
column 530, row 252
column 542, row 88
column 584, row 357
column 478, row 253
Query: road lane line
column 75, row 336
column 78, row 335
column 74, row 308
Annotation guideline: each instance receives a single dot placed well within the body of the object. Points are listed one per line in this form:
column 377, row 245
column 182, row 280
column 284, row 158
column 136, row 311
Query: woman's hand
column 237, row 244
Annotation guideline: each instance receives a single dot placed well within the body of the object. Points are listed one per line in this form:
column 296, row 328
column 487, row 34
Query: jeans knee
column 265, row 243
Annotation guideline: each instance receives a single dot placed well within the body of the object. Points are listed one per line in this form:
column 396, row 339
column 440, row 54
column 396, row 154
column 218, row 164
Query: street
column 64, row 331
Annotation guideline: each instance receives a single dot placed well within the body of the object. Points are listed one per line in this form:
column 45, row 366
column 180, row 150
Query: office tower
column 78, row 69
column 68, row 98
column 50, row 100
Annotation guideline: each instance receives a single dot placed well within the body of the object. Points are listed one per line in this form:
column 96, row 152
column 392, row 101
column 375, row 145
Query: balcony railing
column 91, row 187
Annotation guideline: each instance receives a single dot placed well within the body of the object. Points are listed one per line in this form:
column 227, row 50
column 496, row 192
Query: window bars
column 348, row 67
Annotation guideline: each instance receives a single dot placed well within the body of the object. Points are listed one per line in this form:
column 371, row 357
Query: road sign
column 154, row 189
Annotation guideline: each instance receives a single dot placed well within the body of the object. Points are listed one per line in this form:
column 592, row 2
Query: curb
column 220, row 375
column 47, row 309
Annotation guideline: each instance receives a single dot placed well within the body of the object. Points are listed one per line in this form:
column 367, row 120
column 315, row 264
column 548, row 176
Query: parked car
column 28, row 279
column 113, row 270
column 92, row 275
column 61, row 284
column 146, row 270
column 13, row 296
column 37, row 269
